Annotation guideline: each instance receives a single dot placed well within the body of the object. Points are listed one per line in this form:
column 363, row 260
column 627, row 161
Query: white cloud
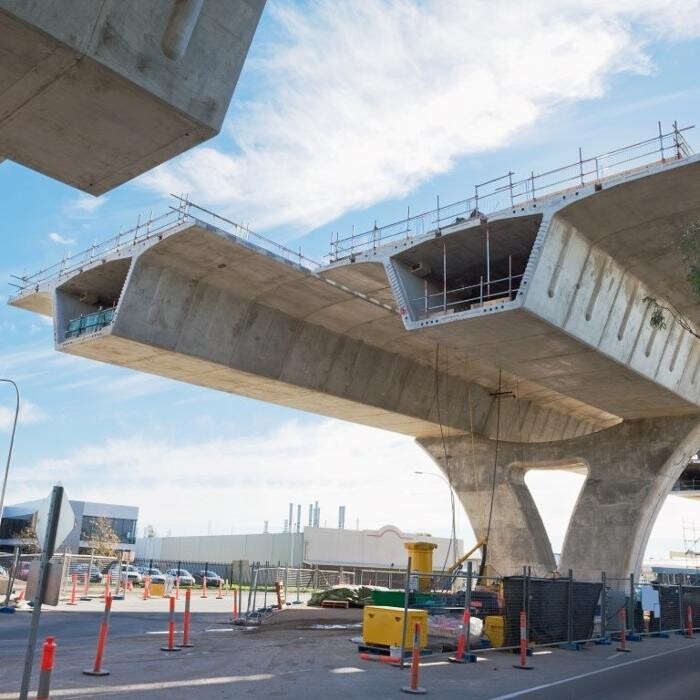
column 83, row 206
column 360, row 102
column 28, row 413
column 61, row 240
column 237, row 484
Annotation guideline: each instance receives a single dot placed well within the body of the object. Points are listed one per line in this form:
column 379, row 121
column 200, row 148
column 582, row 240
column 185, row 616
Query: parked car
column 81, row 570
column 186, row 578
column 212, row 578
column 23, row 570
column 128, row 571
column 157, row 576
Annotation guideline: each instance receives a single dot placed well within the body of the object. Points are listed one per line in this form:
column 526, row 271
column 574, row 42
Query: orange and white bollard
column 73, row 590
column 622, row 616
column 689, row 623
column 186, row 621
column 235, row 603
column 414, row 688
column 146, row 587
column 204, row 586
column 523, row 643
column 47, row 657
column 380, row 658
column 97, row 669
column 171, row 628
column 86, row 588
column 221, row 590
column 462, row 656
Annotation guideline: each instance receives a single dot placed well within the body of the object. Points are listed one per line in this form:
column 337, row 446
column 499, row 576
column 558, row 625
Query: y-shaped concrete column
column 631, row 469
column 517, row 536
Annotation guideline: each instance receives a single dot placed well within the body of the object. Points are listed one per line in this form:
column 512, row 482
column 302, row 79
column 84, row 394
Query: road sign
column 66, row 521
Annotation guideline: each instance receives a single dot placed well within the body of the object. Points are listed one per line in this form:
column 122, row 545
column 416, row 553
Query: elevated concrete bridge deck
column 502, row 342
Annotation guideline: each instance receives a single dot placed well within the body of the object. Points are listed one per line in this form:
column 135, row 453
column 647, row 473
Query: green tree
column 689, row 248
column 29, row 540
column 101, row 538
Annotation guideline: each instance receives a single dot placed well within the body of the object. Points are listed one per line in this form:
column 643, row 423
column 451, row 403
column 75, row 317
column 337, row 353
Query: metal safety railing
column 89, row 323
column 505, row 192
column 146, row 231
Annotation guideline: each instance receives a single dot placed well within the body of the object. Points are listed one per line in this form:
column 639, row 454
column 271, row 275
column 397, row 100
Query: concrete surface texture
column 561, row 369
column 292, row 657
column 94, row 93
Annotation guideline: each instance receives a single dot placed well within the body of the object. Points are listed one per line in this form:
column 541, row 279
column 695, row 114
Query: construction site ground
column 304, row 652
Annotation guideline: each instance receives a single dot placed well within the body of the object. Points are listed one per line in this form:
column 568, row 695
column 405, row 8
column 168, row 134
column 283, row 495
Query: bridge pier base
column 630, row 468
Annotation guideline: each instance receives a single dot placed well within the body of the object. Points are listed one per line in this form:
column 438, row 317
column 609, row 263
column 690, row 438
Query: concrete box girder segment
column 574, row 320
column 89, row 97
column 203, row 306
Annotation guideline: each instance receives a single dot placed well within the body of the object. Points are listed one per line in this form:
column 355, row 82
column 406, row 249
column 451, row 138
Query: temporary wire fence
column 92, row 573
column 556, row 611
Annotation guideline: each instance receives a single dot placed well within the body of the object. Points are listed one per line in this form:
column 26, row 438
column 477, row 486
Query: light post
column 12, row 442
column 453, row 535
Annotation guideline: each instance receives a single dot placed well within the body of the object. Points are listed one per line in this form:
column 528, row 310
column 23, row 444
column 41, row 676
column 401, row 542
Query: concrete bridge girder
column 631, row 468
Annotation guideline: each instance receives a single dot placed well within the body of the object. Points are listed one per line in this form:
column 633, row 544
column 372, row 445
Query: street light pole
column 12, row 442
column 453, row 534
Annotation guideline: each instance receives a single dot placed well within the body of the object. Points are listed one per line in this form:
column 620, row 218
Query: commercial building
column 122, row 520
column 315, row 546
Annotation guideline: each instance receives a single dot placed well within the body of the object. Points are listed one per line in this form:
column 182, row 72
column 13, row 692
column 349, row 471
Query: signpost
column 55, row 518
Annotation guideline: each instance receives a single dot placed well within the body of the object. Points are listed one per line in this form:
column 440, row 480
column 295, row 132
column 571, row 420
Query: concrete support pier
column 630, row 469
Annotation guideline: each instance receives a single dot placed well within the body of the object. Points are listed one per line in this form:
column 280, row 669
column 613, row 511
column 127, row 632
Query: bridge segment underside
column 560, row 370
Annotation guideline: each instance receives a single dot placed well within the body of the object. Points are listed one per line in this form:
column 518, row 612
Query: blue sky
column 345, row 113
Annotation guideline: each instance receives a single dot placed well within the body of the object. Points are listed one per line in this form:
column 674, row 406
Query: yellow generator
column 383, row 626
column 494, row 629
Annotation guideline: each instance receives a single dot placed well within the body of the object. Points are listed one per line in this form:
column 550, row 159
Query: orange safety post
column 97, row 669
column 462, row 656
column 414, row 688
column 622, row 615
column 523, row 643
column 47, row 657
column 380, row 658
column 689, row 623
column 86, row 589
column 186, row 621
column 171, row 628
column 73, row 590
column 235, row 603
column 146, row 587
column 204, row 586
column 221, row 590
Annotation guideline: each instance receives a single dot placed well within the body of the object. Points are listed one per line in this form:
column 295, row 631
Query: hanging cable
column 444, row 449
column 495, row 469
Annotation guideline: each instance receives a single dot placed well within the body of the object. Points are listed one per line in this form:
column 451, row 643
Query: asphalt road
column 290, row 656
column 669, row 675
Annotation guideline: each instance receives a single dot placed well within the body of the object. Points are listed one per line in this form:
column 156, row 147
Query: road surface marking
column 518, row 693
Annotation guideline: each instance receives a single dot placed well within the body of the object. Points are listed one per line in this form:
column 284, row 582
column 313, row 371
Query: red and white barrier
column 73, row 590
column 689, row 623
column 171, row 628
column 97, row 669
column 523, row 665
column 47, row 658
column 414, row 688
column 463, row 656
column 622, row 616
column 186, row 621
